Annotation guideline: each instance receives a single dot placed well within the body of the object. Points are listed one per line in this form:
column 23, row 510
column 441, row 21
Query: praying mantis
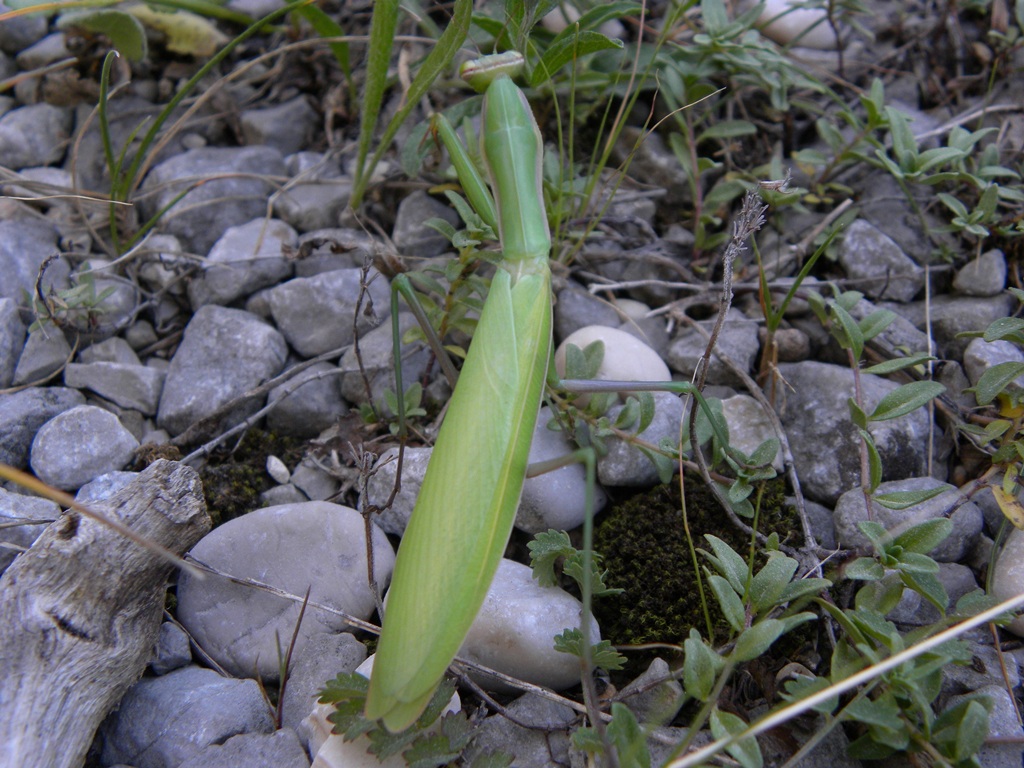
column 458, row 531
column 467, row 504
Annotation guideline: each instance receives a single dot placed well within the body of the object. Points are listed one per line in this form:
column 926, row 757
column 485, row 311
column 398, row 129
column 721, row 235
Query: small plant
column 77, row 307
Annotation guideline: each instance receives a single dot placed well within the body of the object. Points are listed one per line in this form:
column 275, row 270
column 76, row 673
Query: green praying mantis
column 467, row 504
column 458, row 532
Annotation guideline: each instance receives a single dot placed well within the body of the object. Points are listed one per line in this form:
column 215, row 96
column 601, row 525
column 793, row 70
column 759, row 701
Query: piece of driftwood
column 80, row 612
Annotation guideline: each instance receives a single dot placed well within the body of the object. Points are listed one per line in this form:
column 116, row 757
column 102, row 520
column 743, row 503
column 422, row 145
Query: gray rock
column 513, row 630
column 825, row 442
column 376, row 350
column 411, row 234
column 172, row 651
column 326, row 656
column 382, row 480
column 316, row 313
column 953, row 315
column 329, row 249
column 915, row 611
column 880, row 267
column 223, row 354
column 104, row 486
column 12, row 340
column 112, row 350
column 288, row 127
column 749, row 426
column 987, row 665
column 22, row 413
column 1002, row 722
column 115, row 311
column 737, row 341
column 239, row 197
column 966, row 518
column 819, row 517
column 316, row 546
column 282, row 494
column 555, row 499
column 1008, row 575
column 137, row 387
column 313, row 205
column 16, row 527
column 544, row 743
column 41, row 185
column 885, row 205
column 308, row 403
column 656, row 705
column 79, row 445
column 577, row 309
column 625, row 464
column 280, row 749
column 19, row 33
column 900, row 337
column 983, row 276
column 316, row 483
column 46, row 51
column 244, row 259
column 34, row 135
column 981, row 355
column 46, row 350
column 163, row 721
column 24, row 246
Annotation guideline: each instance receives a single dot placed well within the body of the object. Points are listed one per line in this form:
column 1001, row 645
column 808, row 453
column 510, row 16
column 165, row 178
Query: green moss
column 643, row 542
column 233, row 481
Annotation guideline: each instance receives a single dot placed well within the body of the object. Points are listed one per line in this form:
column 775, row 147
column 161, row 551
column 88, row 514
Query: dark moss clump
column 233, row 480
column 643, row 543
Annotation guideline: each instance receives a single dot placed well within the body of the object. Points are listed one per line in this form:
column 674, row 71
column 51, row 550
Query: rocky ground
column 224, row 340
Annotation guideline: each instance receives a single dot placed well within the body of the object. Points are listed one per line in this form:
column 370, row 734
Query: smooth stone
column 315, row 482
column 78, row 445
column 555, row 499
column 12, row 340
column 245, row 258
column 163, row 721
column 878, row 265
column 280, row 749
column 112, row 350
column 288, row 127
column 576, row 309
column 625, row 464
column 1008, row 575
column 34, row 135
column 382, row 479
column 46, row 350
column 114, row 313
column 738, row 341
column 223, row 354
column 316, row 314
column 23, row 413
column 313, row 205
column 981, row 355
column 294, row 547
column 210, row 208
column 411, row 234
column 749, row 426
column 324, row 658
column 376, row 350
column 332, row 248
column 136, row 387
column 967, row 519
column 626, row 358
column 654, row 697
column 173, row 649
column 307, row 404
column 954, row 315
column 1002, row 722
column 787, row 23
column 17, row 513
column 983, row 276
column 514, row 631
column 104, row 486
column 825, row 443
column 536, row 733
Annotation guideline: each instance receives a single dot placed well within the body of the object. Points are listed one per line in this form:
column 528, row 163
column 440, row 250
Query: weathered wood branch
column 80, row 612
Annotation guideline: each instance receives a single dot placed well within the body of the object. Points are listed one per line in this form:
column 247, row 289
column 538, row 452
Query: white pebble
column 277, row 470
column 626, row 358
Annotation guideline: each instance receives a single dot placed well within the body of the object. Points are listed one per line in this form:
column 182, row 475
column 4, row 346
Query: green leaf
column 601, row 653
column 769, row 583
column 874, row 460
column 802, row 588
column 929, row 587
column 757, row 639
column 700, row 667
column 847, row 331
column 857, row 414
column 765, row 453
column 995, row 380
column 732, row 606
column 864, row 569
column 545, row 550
column 875, row 323
column 646, row 401
column 906, row 399
column 898, row 364
column 347, row 685
column 745, row 751
column 805, row 687
column 628, row 737
column 883, row 711
column 126, row 32
column 924, row 537
column 728, row 563
column 1005, row 328
column 567, row 49
column 327, row 28
column 916, row 563
column 904, row 499
column 728, row 129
